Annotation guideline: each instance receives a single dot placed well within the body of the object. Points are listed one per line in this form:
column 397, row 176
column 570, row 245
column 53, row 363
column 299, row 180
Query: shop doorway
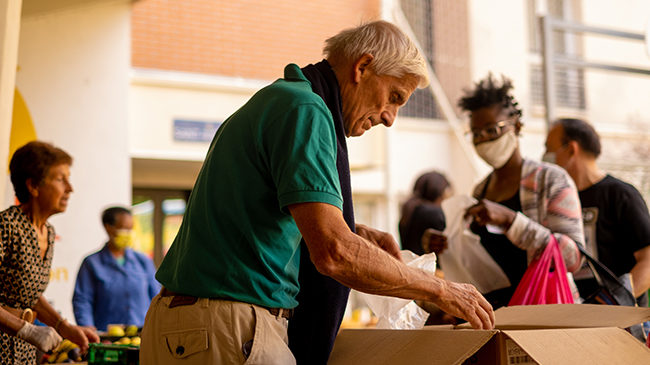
column 157, row 215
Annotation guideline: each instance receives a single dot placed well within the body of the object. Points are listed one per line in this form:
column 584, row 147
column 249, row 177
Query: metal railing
column 550, row 60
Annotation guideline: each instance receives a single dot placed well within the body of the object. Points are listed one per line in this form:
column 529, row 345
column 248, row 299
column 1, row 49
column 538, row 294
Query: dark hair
column 109, row 216
column 489, row 92
column 582, row 132
column 430, row 186
column 32, row 162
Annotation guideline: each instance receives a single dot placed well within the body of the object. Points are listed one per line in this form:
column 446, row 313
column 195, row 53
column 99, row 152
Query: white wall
column 73, row 74
column 159, row 97
column 616, row 102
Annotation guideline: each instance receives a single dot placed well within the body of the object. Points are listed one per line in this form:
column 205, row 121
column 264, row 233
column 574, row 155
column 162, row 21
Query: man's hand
column 79, row 335
column 43, row 337
column 489, row 212
column 464, row 301
column 433, row 241
column 382, row 239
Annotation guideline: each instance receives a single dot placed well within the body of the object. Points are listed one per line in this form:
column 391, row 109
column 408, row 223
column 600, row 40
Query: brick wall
column 239, row 38
column 451, row 47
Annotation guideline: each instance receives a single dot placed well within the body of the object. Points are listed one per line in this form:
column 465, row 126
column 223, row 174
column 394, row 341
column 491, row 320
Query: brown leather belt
column 182, row 299
column 26, row 314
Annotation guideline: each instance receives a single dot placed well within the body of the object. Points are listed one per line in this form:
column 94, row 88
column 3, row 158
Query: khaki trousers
column 213, row 331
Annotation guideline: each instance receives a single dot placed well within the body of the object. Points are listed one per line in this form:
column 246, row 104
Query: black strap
column 606, row 279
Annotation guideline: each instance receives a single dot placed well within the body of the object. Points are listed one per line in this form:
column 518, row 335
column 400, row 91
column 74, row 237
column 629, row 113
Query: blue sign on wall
column 194, row 131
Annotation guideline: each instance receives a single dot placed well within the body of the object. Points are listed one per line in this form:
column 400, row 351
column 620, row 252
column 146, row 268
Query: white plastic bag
column 465, row 260
column 397, row 313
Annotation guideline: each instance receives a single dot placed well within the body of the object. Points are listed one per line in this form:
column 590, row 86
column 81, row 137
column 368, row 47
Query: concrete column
column 9, row 34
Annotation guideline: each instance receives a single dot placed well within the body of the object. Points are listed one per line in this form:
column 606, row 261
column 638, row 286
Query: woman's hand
column 383, row 240
column 433, row 241
column 78, row 334
column 43, row 337
column 488, row 212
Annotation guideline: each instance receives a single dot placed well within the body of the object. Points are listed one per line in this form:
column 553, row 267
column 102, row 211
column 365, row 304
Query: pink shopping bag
column 545, row 280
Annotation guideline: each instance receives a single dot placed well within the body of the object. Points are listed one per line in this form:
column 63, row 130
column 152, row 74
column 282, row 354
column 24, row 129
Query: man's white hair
column 394, row 53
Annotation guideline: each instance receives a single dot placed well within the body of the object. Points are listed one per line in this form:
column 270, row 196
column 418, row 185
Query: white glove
column 43, row 337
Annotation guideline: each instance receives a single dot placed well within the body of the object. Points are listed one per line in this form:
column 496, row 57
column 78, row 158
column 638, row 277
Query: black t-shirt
column 616, row 218
column 512, row 259
column 424, row 216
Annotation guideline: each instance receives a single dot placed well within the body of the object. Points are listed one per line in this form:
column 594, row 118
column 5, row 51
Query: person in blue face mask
column 115, row 284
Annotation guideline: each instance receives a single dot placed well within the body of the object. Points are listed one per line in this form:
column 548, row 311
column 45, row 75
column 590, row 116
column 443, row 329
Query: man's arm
column 641, row 271
column 361, row 265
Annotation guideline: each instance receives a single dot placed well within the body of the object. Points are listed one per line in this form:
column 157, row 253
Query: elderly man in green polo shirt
column 277, row 172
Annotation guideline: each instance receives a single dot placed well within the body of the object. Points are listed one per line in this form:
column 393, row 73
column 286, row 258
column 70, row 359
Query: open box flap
column 591, row 346
column 407, row 346
column 569, row 316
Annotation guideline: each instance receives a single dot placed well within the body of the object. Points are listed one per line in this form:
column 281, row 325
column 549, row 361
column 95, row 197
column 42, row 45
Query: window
column 570, row 83
column 157, row 217
column 419, row 14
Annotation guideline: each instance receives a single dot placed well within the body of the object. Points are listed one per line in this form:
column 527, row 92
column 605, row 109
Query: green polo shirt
column 237, row 239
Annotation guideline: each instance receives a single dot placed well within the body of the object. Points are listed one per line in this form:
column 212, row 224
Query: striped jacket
column 550, row 204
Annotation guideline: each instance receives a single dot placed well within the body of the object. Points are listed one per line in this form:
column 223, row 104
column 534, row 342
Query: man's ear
column 360, row 66
column 573, row 147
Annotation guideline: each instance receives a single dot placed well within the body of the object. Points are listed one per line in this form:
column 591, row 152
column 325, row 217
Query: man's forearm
column 360, row 264
column 641, row 271
column 640, row 278
column 364, row 266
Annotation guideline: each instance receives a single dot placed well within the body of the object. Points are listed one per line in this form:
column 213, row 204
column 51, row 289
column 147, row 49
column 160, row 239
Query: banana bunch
column 67, row 351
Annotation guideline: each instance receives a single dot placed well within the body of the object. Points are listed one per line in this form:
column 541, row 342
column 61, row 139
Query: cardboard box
column 537, row 334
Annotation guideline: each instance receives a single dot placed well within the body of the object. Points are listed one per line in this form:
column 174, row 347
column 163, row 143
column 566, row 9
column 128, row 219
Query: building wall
column 500, row 43
column 73, row 74
column 171, row 81
column 253, row 38
column 451, row 47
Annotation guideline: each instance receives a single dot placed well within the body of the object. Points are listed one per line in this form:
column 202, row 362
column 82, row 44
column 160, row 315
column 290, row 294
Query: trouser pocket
column 185, row 343
column 269, row 342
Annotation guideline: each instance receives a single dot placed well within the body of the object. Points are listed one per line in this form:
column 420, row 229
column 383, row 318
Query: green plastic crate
column 105, row 354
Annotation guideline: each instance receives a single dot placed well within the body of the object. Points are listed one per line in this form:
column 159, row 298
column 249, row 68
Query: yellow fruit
column 65, row 345
column 124, row 341
column 135, row 341
column 62, row 357
column 131, row 330
column 115, row 330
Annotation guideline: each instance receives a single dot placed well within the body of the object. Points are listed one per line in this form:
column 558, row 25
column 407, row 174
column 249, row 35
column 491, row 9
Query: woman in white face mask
column 521, row 202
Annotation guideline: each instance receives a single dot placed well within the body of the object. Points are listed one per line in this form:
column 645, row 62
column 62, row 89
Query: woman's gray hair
column 394, row 53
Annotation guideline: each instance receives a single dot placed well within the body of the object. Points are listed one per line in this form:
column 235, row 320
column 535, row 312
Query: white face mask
column 497, row 152
column 549, row 157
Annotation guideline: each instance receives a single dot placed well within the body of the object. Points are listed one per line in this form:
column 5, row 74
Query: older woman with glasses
column 521, row 202
column 40, row 174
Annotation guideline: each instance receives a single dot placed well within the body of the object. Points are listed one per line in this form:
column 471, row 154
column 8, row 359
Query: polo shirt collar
column 293, row 72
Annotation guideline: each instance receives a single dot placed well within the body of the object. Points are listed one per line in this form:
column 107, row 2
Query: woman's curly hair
column 489, row 92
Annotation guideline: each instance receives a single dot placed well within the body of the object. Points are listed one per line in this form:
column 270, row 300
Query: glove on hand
column 44, row 338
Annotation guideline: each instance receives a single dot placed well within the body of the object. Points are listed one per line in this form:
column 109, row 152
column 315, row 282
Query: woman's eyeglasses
column 491, row 131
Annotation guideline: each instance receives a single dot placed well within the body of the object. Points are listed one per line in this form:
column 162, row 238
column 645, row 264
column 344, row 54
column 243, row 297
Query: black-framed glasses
column 491, row 131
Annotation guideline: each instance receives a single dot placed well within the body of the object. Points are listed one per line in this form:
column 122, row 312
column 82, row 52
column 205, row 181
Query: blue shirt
column 106, row 292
